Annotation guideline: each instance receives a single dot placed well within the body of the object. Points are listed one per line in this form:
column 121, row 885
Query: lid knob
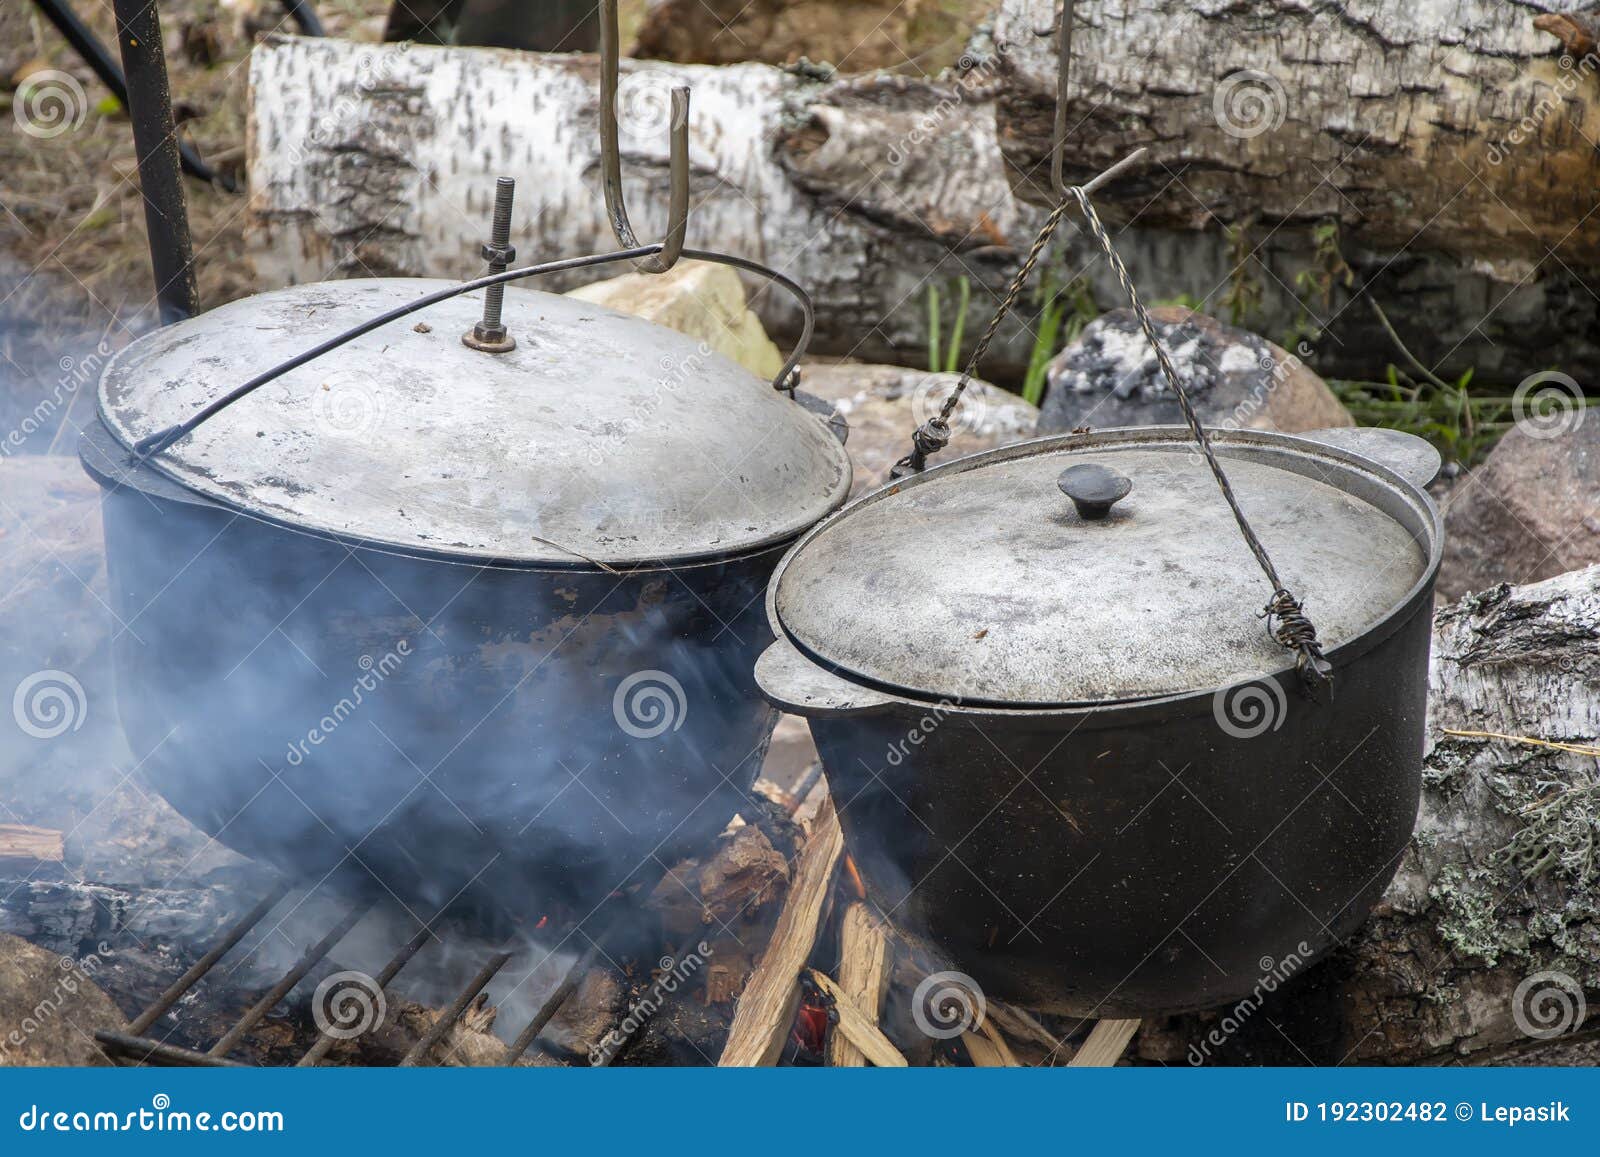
column 1093, row 488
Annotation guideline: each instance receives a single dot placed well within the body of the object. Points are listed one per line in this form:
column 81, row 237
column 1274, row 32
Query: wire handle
column 785, row 381
column 1286, row 622
column 611, row 155
column 934, row 434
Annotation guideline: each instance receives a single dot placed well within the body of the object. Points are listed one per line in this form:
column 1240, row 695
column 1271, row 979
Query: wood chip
column 982, row 1051
column 1107, row 1040
column 22, row 845
column 1021, row 1025
column 862, row 1032
column 864, row 955
column 991, row 1031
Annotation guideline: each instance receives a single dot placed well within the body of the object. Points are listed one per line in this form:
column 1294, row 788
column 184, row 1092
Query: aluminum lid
column 982, row 582
column 600, row 438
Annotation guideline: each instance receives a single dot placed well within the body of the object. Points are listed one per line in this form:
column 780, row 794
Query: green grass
column 947, row 360
column 1063, row 312
column 1463, row 424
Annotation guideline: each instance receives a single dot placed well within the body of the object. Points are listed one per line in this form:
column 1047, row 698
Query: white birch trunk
column 382, row 159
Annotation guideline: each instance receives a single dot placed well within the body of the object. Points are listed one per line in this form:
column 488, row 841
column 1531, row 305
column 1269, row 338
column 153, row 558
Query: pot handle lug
column 799, row 686
column 1409, row 456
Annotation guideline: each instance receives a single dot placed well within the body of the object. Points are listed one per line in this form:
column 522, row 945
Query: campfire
column 764, row 950
column 506, row 678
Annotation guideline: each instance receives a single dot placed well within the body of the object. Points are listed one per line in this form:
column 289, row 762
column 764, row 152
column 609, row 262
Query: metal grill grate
column 136, row 1047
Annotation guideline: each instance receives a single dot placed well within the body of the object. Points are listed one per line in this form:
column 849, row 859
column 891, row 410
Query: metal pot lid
column 600, row 438
column 982, row 582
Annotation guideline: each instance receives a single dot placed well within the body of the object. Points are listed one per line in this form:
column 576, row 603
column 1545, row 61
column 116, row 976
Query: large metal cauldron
column 1064, row 749
column 447, row 618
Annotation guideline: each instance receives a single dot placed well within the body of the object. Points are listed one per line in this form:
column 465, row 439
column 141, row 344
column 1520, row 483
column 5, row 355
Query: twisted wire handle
column 1286, row 622
column 934, row 434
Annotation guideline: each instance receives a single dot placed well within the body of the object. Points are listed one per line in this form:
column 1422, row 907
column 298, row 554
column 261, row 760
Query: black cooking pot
column 441, row 618
column 1064, row 749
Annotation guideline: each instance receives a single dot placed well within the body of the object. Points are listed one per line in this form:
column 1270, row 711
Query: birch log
column 1487, row 944
column 367, row 159
column 383, row 159
column 1452, row 142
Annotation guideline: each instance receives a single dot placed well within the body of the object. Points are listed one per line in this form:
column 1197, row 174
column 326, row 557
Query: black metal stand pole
column 155, row 141
column 305, row 16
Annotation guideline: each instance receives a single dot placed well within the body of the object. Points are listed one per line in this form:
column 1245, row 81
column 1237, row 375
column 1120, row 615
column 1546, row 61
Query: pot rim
column 126, row 472
column 851, row 693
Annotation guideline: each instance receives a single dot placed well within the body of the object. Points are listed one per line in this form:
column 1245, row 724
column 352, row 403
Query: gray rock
column 1110, row 377
column 50, row 1008
column 884, row 404
column 1530, row 512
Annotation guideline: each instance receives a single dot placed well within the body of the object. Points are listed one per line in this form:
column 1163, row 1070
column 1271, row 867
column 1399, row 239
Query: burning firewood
column 767, row 1007
column 864, row 952
column 862, row 1031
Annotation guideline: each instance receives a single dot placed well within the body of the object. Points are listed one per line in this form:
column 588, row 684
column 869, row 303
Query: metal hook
column 611, row 155
column 1058, row 142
